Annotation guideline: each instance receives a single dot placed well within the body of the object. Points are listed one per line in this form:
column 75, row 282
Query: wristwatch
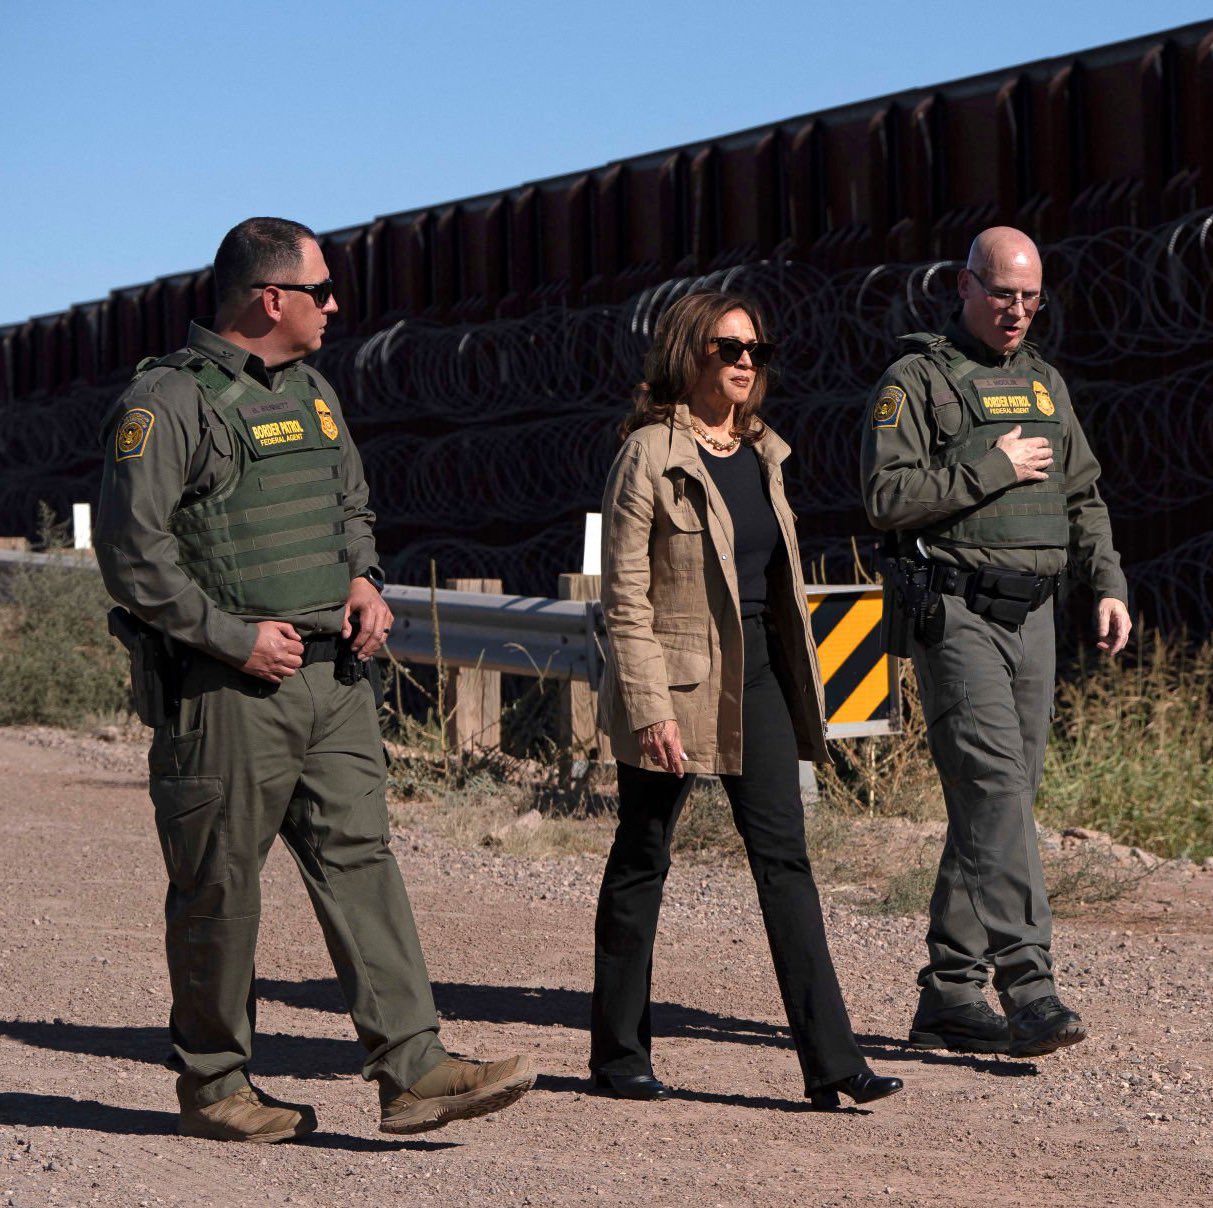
column 374, row 576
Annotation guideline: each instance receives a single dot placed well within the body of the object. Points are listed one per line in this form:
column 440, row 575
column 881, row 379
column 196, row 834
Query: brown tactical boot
column 457, row 1090
column 248, row 1115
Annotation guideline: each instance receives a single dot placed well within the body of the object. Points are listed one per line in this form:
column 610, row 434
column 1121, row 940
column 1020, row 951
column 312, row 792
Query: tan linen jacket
column 673, row 617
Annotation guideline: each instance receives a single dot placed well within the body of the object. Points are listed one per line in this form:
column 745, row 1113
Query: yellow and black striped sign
column 860, row 678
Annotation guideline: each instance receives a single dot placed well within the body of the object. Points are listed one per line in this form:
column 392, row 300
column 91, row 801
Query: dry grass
column 523, row 806
column 907, row 890
column 1087, row 876
column 1132, row 748
column 1131, row 754
column 58, row 664
column 706, row 828
column 889, row 776
column 488, row 806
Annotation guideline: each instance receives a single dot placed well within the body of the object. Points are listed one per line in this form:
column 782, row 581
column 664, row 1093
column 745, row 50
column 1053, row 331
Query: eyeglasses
column 730, row 349
column 321, row 291
column 1004, row 299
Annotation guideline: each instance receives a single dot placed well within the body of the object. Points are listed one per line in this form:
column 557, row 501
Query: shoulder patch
column 887, row 410
column 132, row 433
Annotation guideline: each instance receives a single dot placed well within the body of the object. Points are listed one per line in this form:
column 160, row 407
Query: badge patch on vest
column 328, row 425
column 1043, row 401
column 134, row 428
column 1004, row 402
column 887, row 410
column 277, row 432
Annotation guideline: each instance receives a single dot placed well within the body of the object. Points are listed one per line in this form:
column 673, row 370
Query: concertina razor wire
column 485, row 444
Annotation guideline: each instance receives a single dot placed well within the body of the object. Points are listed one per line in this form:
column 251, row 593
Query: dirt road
column 86, row 1110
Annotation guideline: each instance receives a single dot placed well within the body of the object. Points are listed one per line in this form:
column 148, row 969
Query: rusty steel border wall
column 1119, row 135
column 469, row 326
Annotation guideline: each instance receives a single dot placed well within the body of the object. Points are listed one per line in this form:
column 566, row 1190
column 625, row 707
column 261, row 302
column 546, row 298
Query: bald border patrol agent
column 974, row 462
column 234, row 532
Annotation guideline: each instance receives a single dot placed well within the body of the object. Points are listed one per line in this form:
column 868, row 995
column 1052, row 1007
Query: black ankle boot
column 632, row 1086
column 863, row 1088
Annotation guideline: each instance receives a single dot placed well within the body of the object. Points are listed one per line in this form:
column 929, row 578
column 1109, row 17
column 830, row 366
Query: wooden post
column 579, row 734
column 472, row 694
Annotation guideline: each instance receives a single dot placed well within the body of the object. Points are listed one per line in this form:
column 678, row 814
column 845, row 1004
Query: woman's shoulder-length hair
column 674, row 362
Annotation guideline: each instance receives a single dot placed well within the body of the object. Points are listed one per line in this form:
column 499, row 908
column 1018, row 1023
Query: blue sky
column 134, row 134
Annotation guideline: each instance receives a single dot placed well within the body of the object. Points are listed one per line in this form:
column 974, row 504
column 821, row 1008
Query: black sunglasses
column 730, row 349
column 321, row 291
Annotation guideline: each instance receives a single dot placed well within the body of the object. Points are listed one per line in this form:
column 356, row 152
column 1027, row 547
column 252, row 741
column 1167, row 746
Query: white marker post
column 82, row 526
column 591, row 554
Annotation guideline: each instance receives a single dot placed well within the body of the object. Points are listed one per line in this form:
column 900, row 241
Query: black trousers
column 769, row 816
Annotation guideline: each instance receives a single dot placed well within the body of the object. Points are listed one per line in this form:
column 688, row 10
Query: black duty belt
column 322, row 648
column 1004, row 595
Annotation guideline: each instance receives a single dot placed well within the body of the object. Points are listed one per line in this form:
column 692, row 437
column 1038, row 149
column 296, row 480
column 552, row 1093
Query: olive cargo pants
column 243, row 762
column 987, row 696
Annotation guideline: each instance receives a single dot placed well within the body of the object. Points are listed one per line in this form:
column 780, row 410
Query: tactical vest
column 972, row 406
column 270, row 539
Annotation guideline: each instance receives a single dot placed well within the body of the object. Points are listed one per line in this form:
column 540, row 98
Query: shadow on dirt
column 889, row 1048
column 562, row 1085
column 343, row 1141
column 537, row 1007
column 278, row 1054
column 543, row 1007
column 58, row 1111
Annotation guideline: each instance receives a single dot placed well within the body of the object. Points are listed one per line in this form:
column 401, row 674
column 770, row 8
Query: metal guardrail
column 564, row 639
column 11, row 560
column 520, row 635
column 70, row 559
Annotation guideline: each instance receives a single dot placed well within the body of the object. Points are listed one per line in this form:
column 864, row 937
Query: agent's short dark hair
column 258, row 249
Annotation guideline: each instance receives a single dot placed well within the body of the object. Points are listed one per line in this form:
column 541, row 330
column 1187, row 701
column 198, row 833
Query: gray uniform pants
column 242, row 763
column 987, row 697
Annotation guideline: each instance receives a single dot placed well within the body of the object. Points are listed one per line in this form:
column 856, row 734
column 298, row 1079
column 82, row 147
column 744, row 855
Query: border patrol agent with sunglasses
column 975, row 464
column 234, row 531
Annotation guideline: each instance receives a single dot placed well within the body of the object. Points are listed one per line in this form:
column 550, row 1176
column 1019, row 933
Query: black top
column 739, row 480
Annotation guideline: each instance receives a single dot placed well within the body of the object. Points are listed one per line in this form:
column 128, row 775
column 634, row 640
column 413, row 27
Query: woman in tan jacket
column 711, row 668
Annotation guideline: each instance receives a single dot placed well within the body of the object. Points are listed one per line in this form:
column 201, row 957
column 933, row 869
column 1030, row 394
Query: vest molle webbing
column 973, row 405
column 270, row 540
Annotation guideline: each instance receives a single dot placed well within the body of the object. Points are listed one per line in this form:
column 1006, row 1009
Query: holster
column 155, row 682
column 350, row 669
column 896, row 619
column 909, row 606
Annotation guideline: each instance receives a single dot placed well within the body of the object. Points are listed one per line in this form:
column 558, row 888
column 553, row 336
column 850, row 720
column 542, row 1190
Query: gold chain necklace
column 724, row 446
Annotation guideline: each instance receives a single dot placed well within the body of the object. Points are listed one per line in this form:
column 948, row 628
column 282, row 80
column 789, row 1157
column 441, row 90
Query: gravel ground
column 87, row 1111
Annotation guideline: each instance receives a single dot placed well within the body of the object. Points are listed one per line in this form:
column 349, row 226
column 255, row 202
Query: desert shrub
column 1089, row 874
column 705, row 825
column 1131, row 752
column 908, row 890
column 886, row 776
column 58, row 665
column 1132, row 748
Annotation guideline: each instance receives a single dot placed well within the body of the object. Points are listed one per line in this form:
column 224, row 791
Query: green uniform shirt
column 184, row 453
column 902, row 492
